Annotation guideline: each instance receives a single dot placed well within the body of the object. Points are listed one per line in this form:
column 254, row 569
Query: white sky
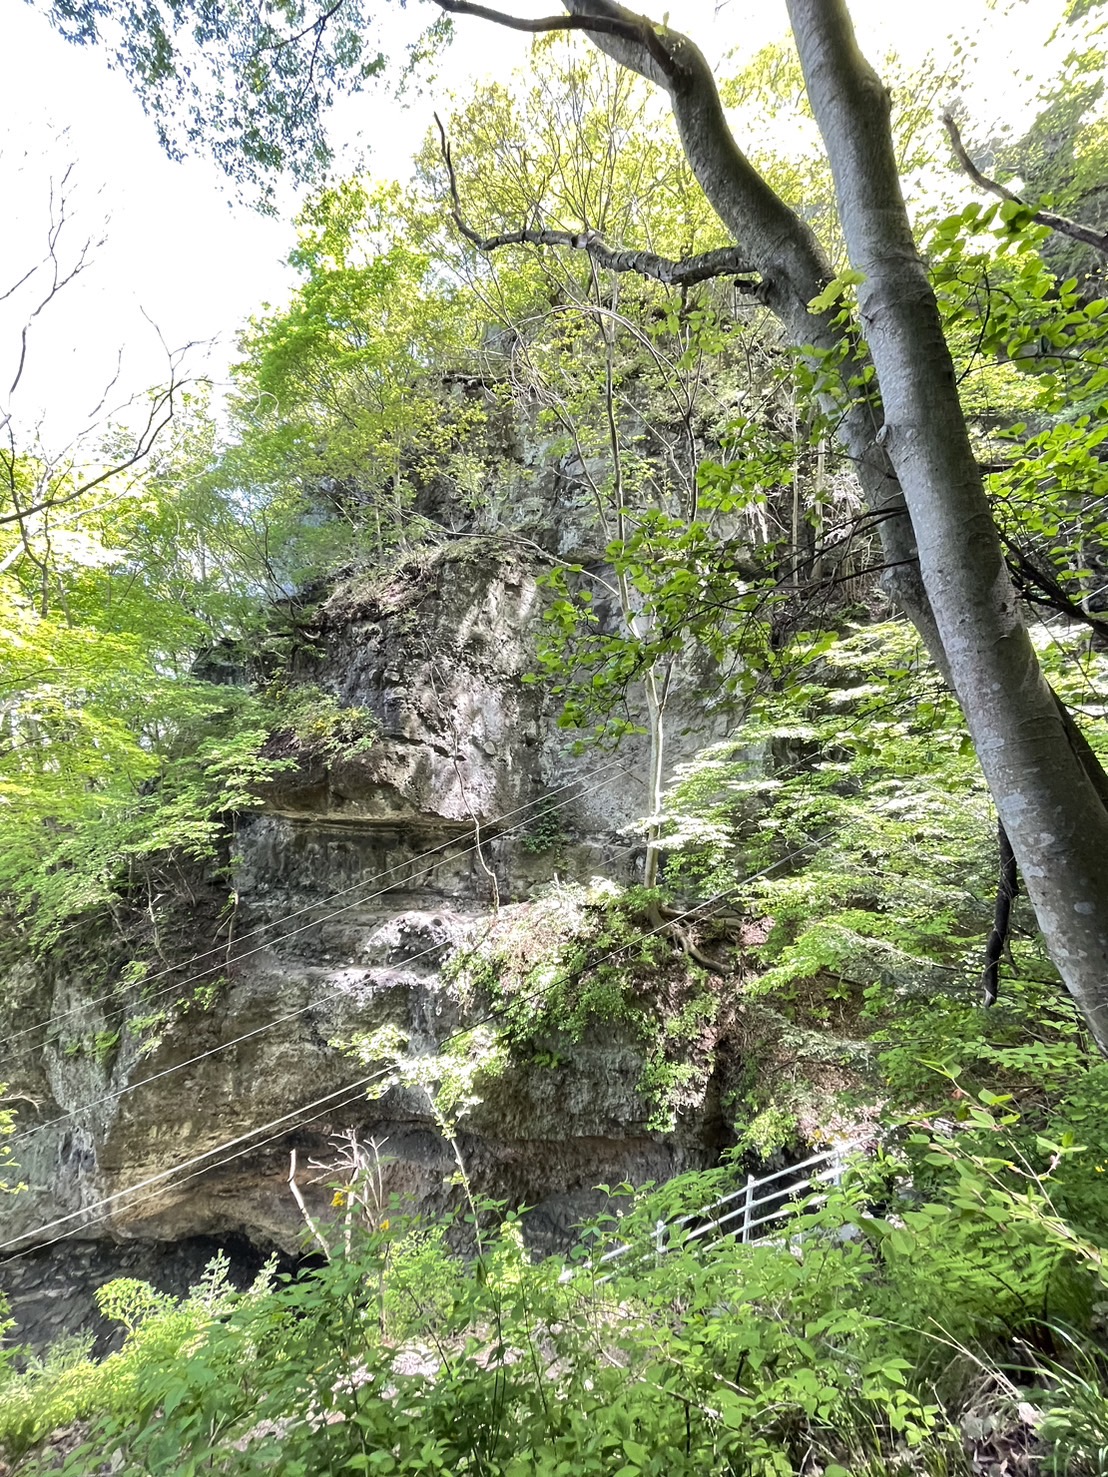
column 182, row 255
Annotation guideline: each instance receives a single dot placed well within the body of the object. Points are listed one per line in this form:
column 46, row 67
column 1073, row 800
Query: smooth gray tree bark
column 908, row 441
column 1048, row 803
column 794, row 269
column 912, row 452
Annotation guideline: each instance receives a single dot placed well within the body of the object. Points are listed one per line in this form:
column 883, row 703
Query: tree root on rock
column 676, row 923
column 688, row 944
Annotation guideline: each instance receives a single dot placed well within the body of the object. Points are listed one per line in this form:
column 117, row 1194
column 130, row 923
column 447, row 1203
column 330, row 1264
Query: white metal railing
column 788, row 1181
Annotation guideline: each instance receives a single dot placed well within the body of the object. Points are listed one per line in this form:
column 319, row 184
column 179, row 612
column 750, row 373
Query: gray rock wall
column 352, row 883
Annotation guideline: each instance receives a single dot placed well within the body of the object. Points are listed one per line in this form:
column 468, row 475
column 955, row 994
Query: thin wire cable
column 165, row 1174
column 110, row 1097
column 221, row 949
column 491, row 1015
column 357, row 1091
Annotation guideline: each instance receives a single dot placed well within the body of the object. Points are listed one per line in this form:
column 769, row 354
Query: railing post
column 746, row 1207
column 659, row 1238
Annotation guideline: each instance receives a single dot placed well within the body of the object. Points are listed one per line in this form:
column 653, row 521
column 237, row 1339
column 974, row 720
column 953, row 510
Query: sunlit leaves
column 105, row 760
column 341, row 390
column 1032, row 355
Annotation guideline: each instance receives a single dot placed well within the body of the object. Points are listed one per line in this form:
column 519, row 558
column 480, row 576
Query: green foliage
column 1060, row 159
column 7, row 1163
column 856, row 786
column 341, row 390
column 1033, row 359
column 107, row 762
column 1031, row 1041
column 852, row 801
column 150, row 1026
column 115, row 749
column 1020, row 332
column 119, row 745
column 553, row 969
column 545, row 832
column 67, row 1385
column 857, row 1351
column 1077, row 1117
column 319, row 723
column 449, row 1081
column 128, row 1301
column 100, row 1045
column 251, row 85
column 1075, row 1415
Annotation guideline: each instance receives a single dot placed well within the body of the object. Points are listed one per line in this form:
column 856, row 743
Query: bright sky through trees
column 182, row 258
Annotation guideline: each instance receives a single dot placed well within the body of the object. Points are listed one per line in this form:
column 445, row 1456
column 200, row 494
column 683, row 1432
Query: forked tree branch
column 161, row 412
column 1038, row 586
column 59, row 275
column 726, row 261
column 1061, row 223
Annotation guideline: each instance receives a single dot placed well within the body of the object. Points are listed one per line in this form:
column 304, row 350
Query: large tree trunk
column 913, row 458
column 1047, row 801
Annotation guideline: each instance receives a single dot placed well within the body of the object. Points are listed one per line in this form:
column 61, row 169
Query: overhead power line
column 109, row 1097
column 542, row 805
column 283, row 1123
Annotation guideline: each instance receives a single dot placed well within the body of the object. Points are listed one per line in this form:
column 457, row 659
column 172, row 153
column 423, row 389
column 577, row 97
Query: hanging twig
column 1006, row 892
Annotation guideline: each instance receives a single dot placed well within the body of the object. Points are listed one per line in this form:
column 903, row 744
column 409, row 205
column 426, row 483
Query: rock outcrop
column 160, row 1115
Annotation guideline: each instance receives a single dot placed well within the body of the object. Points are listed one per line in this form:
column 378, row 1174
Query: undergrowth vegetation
column 935, row 1311
column 550, row 970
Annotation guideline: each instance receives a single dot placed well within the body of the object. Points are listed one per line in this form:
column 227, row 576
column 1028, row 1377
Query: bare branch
column 161, row 412
column 59, row 276
column 27, row 275
column 1061, row 223
column 1038, row 585
column 726, row 261
column 625, row 26
column 108, row 388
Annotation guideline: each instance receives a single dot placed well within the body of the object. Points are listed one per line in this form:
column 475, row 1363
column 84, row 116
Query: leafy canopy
column 249, row 82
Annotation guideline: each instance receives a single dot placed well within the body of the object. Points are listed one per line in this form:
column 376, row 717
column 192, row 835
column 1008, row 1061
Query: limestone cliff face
column 351, row 884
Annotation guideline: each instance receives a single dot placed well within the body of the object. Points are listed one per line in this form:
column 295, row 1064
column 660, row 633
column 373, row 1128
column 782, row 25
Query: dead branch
column 702, row 913
column 726, row 261
column 1061, row 223
column 309, row 1220
column 59, row 276
column 1035, row 582
column 160, row 414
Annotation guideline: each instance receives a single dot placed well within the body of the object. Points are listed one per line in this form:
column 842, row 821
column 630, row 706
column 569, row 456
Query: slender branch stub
column 725, row 261
column 1006, row 893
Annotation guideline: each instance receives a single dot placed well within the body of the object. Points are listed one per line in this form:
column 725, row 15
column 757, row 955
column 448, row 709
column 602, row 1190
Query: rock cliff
column 156, row 1116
